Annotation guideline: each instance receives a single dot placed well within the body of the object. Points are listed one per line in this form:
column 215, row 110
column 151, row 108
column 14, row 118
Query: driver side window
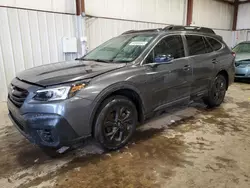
column 170, row 47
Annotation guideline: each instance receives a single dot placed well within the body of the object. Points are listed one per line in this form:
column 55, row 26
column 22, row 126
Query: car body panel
column 65, row 72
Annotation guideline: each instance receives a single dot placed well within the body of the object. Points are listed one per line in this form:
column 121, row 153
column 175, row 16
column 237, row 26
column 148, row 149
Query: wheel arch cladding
column 225, row 74
column 126, row 92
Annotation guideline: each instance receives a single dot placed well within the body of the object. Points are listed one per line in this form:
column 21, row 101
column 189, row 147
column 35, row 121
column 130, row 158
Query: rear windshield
column 242, row 48
column 124, row 48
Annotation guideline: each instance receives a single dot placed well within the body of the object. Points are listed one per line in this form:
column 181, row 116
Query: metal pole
column 236, row 8
column 80, row 28
column 190, row 12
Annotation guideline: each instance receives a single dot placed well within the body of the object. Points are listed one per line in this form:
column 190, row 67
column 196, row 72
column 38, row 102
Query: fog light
column 45, row 135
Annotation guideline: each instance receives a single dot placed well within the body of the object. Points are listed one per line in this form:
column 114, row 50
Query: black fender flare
column 108, row 91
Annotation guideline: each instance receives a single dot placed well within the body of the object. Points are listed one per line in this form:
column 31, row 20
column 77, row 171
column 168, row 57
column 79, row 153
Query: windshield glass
column 242, row 48
column 124, row 48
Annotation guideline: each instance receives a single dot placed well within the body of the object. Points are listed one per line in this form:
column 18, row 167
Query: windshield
column 242, row 48
column 124, row 48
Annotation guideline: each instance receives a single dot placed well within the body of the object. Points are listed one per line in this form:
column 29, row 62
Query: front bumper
column 242, row 72
column 44, row 127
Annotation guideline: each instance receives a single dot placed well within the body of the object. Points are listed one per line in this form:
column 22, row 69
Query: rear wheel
column 217, row 92
column 115, row 123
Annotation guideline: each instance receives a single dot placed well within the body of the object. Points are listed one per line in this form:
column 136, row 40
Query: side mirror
column 163, row 58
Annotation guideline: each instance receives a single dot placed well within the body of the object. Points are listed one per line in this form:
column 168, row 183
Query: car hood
column 64, row 72
column 242, row 56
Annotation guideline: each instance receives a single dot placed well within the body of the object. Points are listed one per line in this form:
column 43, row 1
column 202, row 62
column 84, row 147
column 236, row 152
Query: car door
column 202, row 58
column 170, row 79
column 221, row 57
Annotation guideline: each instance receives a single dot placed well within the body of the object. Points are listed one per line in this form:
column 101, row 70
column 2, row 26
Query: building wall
column 156, row 11
column 65, row 6
column 243, row 24
column 110, row 18
column 214, row 14
column 30, row 38
column 243, row 16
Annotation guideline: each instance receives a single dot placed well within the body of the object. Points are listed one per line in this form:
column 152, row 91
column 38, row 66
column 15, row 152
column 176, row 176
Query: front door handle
column 214, row 61
column 186, row 67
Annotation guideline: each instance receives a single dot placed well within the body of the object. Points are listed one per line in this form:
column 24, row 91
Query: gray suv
column 118, row 85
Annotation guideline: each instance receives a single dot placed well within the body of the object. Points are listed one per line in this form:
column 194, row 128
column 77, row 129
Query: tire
column 217, row 92
column 115, row 122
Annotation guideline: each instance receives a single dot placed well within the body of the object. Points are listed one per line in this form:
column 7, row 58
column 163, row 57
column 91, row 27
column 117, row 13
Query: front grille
column 17, row 95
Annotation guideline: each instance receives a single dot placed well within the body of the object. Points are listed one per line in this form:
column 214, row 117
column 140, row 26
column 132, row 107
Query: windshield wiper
column 122, row 61
column 79, row 59
column 98, row 60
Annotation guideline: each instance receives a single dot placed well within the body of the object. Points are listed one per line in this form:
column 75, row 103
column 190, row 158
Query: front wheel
column 115, row 123
column 217, row 92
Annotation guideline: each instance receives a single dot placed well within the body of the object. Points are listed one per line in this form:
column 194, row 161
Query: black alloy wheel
column 217, row 92
column 116, row 122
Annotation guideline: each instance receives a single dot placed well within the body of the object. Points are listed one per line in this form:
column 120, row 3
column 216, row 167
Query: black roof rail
column 189, row 28
column 139, row 31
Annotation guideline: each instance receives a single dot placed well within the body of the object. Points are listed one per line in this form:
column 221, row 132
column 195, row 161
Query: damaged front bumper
column 50, row 130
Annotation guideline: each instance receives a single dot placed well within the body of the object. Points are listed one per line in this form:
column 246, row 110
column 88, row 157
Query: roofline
column 164, row 32
column 175, row 28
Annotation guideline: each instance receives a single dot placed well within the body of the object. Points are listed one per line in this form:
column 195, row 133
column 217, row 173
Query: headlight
column 58, row 93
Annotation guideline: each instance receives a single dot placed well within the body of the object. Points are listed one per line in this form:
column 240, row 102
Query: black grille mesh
column 17, row 95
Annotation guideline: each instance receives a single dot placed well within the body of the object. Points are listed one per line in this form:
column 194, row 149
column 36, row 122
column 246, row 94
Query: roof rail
column 139, row 31
column 189, row 28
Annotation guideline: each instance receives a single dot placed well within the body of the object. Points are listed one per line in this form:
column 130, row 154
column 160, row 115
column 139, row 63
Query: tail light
column 234, row 54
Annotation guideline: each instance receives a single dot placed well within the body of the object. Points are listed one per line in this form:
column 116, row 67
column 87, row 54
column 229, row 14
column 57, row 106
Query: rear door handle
column 214, row 61
column 186, row 67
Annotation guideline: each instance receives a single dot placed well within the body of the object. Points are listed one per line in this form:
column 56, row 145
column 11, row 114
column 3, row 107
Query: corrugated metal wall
column 112, row 17
column 243, row 25
column 30, row 38
column 214, row 14
column 159, row 11
column 243, row 17
column 65, row 6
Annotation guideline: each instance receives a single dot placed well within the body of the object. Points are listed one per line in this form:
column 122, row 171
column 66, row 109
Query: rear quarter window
column 214, row 43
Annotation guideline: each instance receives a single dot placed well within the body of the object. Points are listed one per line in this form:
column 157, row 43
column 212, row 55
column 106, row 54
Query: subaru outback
column 118, row 85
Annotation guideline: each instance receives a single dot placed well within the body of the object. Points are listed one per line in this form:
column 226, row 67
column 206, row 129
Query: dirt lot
column 192, row 147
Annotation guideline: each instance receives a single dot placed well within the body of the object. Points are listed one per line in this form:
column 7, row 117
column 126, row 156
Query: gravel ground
column 191, row 147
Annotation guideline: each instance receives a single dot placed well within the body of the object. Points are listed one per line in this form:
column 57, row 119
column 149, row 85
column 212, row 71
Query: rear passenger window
column 214, row 43
column 196, row 45
column 209, row 49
